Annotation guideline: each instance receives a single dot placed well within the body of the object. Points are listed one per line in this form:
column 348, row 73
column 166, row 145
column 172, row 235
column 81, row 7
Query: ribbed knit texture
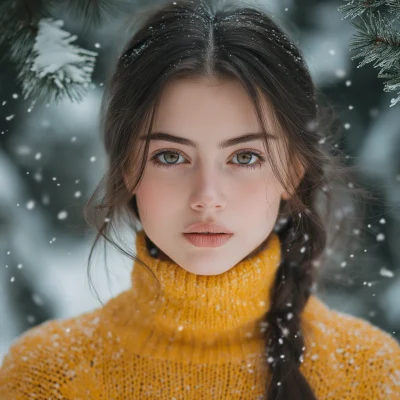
column 200, row 339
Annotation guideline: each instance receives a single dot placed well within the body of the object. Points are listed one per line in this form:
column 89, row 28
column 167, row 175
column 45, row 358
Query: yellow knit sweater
column 199, row 340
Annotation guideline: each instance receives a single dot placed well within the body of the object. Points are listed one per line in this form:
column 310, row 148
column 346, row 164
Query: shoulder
column 46, row 360
column 355, row 348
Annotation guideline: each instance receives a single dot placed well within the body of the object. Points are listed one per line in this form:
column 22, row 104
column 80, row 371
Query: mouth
column 207, row 233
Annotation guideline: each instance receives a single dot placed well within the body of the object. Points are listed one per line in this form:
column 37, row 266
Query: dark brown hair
column 185, row 39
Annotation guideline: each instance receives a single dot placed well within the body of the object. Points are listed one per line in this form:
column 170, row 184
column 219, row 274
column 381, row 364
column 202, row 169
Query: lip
column 204, row 240
column 200, row 227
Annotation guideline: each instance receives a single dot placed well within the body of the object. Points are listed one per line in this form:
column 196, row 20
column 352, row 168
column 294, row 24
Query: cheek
column 259, row 199
column 264, row 189
column 155, row 196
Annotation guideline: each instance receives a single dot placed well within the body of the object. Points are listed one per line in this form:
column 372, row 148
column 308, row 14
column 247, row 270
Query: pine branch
column 55, row 68
column 377, row 40
column 49, row 66
column 355, row 8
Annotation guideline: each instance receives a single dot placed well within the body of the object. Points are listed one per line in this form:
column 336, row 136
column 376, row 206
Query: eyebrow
column 247, row 137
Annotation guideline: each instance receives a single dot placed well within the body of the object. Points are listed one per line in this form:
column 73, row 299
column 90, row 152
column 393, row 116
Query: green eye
column 156, row 162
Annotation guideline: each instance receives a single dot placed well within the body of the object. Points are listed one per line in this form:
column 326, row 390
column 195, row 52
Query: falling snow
column 62, row 215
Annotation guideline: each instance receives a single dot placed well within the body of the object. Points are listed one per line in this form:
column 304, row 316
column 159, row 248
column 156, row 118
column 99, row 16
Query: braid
column 289, row 295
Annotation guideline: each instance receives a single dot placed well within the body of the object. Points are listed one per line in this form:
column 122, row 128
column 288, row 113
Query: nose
column 208, row 192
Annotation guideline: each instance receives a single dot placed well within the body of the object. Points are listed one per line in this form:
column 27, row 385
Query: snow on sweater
column 200, row 339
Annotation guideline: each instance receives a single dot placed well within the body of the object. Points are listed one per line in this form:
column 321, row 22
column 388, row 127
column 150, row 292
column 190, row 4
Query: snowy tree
column 377, row 38
column 50, row 67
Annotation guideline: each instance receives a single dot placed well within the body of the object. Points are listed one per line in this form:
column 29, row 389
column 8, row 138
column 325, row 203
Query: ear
column 300, row 171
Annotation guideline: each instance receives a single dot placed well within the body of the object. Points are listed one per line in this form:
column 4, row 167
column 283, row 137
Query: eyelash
column 257, row 164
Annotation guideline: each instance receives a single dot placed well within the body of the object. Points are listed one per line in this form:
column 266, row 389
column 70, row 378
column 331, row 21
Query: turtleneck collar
column 209, row 318
column 206, row 304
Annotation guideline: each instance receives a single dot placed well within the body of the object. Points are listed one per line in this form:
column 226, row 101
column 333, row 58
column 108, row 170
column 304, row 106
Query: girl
column 215, row 148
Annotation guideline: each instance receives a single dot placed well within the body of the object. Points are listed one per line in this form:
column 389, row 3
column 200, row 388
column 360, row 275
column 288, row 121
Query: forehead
column 208, row 107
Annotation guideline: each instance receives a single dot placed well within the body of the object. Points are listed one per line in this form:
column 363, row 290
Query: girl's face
column 208, row 183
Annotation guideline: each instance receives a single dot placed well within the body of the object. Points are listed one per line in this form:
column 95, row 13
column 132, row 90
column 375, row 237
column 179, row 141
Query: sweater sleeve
column 47, row 362
column 381, row 366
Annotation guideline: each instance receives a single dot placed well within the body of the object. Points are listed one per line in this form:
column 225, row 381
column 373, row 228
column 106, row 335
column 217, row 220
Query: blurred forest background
column 51, row 158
